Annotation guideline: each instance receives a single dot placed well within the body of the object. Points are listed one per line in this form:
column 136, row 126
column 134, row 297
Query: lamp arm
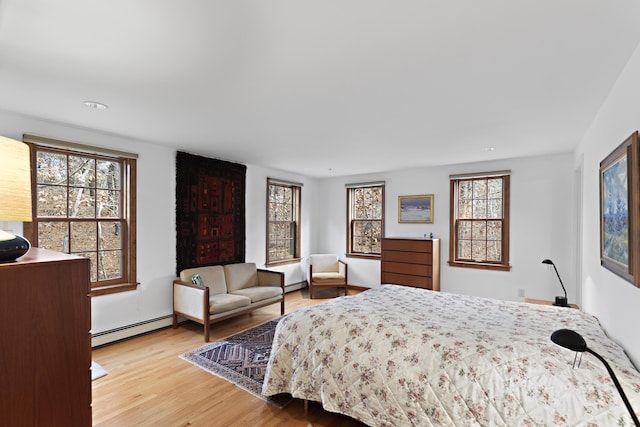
column 561, row 284
column 618, row 386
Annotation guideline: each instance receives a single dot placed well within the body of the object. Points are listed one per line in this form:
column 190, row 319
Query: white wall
column 156, row 222
column 156, row 237
column 613, row 300
column 542, row 214
column 256, row 202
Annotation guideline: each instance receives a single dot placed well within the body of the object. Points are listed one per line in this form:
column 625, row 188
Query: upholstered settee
column 213, row 293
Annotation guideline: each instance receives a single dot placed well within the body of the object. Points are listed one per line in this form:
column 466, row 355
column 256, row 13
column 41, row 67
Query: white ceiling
column 321, row 88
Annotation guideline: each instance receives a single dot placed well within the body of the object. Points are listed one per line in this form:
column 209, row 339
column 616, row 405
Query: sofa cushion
column 259, row 293
column 212, row 277
column 241, row 276
column 328, row 277
column 324, row 263
column 226, row 302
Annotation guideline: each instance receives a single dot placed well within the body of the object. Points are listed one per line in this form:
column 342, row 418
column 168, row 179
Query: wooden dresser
column 45, row 342
column 411, row 262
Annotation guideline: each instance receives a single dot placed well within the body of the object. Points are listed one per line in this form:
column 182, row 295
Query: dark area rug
column 241, row 359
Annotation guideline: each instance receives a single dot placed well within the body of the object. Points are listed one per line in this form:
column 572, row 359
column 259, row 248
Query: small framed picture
column 415, row 209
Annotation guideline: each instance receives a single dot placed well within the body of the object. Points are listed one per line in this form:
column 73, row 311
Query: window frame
column 351, row 190
column 128, row 202
column 454, row 260
column 296, row 208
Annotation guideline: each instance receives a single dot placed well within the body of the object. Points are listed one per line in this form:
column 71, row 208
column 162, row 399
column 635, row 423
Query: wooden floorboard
column 148, row 384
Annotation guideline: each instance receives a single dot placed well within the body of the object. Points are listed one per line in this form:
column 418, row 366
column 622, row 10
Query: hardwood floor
column 149, row 385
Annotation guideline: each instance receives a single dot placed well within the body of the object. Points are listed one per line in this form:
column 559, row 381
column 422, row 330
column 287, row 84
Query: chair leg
column 206, row 330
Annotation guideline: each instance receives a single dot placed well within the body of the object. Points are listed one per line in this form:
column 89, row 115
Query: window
column 480, row 221
column 283, row 221
column 365, row 219
column 85, row 205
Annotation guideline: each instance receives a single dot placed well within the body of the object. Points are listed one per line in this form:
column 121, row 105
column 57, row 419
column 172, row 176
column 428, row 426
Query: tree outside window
column 480, row 222
column 365, row 213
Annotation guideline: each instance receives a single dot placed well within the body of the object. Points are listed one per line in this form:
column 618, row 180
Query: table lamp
column 560, row 301
column 573, row 341
column 15, row 195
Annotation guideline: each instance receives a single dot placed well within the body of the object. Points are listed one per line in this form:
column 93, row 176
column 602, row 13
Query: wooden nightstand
column 545, row 302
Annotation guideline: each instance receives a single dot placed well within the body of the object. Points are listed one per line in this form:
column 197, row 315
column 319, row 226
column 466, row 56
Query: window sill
column 366, row 256
column 105, row 290
column 480, row 265
column 282, row 262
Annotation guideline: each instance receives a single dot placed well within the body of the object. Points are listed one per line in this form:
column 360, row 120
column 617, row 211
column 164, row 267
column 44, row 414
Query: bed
column 401, row 356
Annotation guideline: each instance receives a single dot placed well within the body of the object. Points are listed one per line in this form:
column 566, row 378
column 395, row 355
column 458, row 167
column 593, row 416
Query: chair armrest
column 342, row 268
column 271, row 278
column 190, row 300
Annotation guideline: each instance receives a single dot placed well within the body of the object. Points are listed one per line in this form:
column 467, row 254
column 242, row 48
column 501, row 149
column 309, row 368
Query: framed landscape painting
column 415, row 209
column 619, row 213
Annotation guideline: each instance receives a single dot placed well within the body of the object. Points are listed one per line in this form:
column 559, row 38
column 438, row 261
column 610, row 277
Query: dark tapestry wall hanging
column 210, row 211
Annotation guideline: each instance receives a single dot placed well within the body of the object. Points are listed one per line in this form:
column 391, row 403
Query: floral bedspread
column 401, row 356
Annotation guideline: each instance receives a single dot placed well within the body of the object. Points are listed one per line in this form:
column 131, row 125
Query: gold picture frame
column 416, row 209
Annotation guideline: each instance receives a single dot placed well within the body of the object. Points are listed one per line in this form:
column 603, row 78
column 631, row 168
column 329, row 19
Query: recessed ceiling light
column 488, row 149
column 95, row 105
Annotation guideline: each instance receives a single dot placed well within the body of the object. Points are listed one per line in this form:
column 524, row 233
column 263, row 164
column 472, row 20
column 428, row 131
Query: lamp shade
column 15, row 180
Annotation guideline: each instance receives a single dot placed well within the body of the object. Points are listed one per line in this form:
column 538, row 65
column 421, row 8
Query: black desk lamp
column 573, row 341
column 560, row 301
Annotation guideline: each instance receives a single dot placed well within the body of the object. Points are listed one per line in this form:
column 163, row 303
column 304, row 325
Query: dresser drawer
column 410, row 269
column 411, row 245
column 408, row 257
column 407, row 280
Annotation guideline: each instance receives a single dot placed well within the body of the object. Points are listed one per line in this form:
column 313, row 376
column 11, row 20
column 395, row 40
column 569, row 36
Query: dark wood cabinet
column 411, row 262
column 45, row 342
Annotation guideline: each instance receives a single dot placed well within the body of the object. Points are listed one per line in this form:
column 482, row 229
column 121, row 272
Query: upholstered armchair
column 327, row 271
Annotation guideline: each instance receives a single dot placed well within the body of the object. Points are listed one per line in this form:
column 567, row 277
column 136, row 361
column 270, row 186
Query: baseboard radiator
column 295, row 286
column 124, row 332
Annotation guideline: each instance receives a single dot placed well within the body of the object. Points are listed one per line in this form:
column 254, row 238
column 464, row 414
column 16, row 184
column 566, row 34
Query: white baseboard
column 129, row 331
column 295, row 286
